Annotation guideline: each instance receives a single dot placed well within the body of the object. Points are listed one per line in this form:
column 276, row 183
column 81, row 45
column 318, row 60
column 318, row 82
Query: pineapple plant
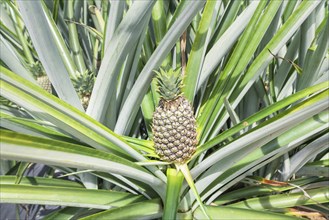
column 174, row 125
column 174, row 129
column 262, row 128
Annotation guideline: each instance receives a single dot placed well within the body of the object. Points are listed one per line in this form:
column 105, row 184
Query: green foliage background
column 255, row 71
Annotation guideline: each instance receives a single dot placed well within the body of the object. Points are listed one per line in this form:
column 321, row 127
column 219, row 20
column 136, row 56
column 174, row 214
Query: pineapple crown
column 83, row 82
column 169, row 83
column 36, row 69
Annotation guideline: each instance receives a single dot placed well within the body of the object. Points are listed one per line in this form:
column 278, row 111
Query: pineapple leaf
column 186, row 172
column 49, row 54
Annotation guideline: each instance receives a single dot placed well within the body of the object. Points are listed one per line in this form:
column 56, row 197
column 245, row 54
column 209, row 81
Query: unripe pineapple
column 174, row 125
column 83, row 83
column 45, row 83
column 41, row 77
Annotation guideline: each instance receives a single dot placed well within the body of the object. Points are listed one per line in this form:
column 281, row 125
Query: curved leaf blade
column 197, row 54
column 135, row 97
column 150, row 209
column 124, row 38
column 228, row 212
column 48, row 53
column 20, row 147
column 88, row 198
column 313, row 196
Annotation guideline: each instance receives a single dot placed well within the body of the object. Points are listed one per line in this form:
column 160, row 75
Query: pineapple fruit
column 41, row 77
column 83, row 84
column 174, row 125
column 45, row 83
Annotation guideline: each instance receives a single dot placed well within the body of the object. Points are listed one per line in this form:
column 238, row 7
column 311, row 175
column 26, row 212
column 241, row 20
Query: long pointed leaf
column 262, row 114
column 49, row 55
column 135, row 97
column 225, row 42
column 67, row 118
column 319, row 195
column 125, row 36
column 99, row 199
column 240, row 214
column 197, row 54
column 269, row 152
column 142, row 210
column 16, row 146
column 269, row 130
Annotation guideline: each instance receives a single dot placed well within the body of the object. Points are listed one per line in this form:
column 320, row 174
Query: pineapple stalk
column 174, row 185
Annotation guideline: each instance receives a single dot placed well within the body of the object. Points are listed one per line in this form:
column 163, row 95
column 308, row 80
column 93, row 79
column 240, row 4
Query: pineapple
column 45, row 83
column 41, row 77
column 174, row 125
column 83, row 84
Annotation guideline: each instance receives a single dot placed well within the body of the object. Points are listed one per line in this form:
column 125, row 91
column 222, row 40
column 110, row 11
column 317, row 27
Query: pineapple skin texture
column 45, row 83
column 174, row 130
